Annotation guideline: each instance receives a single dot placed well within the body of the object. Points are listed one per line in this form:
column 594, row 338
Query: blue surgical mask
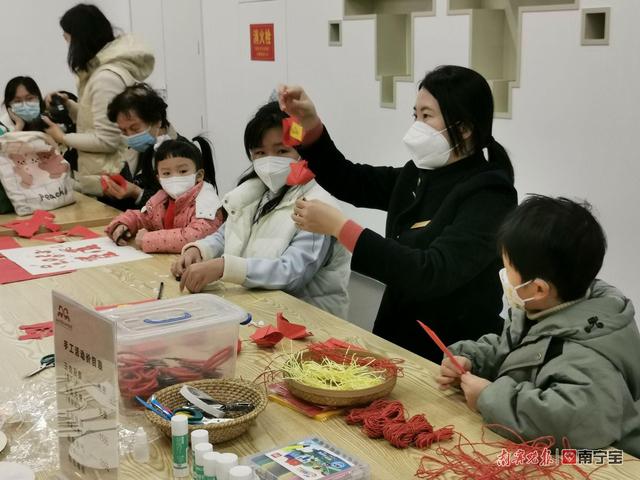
column 27, row 111
column 140, row 142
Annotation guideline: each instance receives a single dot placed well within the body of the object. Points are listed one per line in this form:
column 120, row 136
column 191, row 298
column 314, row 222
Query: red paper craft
column 116, row 177
column 290, row 330
column 442, row 347
column 266, row 336
column 28, row 228
column 11, row 272
column 36, row 331
column 60, row 237
column 300, row 173
column 292, row 132
column 335, row 343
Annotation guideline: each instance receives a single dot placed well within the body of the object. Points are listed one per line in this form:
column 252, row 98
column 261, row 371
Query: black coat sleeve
column 461, row 252
column 360, row 185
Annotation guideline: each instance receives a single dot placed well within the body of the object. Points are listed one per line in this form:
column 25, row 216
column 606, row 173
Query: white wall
column 575, row 117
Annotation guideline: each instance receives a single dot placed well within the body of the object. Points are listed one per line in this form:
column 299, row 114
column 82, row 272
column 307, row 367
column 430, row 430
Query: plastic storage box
column 308, row 459
column 171, row 341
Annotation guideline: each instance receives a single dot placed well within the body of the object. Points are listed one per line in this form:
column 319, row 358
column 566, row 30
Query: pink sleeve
column 132, row 219
column 172, row 240
column 349, row 235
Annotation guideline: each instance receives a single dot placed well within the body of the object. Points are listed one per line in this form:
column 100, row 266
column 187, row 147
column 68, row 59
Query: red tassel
column 425, row 439
column 401, row 435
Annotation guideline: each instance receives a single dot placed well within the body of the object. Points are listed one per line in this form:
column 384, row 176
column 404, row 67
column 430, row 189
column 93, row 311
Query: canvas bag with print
column 33, row 173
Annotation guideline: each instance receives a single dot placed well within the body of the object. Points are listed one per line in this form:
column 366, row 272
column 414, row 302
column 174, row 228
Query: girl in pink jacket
column 185, row 210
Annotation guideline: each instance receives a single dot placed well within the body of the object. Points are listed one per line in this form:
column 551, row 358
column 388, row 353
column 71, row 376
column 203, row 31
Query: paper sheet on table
column 48, row 259
column 10, row 272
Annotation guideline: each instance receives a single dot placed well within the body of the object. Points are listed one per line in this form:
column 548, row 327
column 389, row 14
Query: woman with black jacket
column 438, row 259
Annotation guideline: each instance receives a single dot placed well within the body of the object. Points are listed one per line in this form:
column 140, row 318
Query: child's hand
column 294, row 101
column 190, row 256
column 199, row 275
column 120, row 235
column 318, row 217
column 139, row 236
column 472, row 386
column 116, row 191
column 449, row 374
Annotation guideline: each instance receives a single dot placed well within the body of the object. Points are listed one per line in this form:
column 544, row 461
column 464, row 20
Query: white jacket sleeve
column 211, row 246
column 106, row 136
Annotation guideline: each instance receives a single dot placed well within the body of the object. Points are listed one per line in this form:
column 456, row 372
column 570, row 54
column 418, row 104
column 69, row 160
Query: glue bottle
column 241, row 472
column 141, row 446
column 180, row 445
column 210, row 460
column 201, row 449
column 197, row 437
column 226, row 462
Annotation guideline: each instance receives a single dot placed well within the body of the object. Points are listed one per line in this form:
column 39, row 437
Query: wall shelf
column 335, row 33
column 595, row 26
column 394, row 38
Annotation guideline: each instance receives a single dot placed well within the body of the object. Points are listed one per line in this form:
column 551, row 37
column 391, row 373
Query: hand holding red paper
column 318, row 217
column 472, row 386
column 294, row 101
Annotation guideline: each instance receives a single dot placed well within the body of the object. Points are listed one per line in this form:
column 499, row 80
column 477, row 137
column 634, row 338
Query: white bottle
column 241, row 472
column 210, row 460
column 180, row 445
column 197, row 437
column 226, row 462
column 200, row 450
column 141, row 446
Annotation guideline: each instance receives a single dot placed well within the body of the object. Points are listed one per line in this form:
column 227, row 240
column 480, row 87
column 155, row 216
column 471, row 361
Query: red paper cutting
column 292, row 132
column 28, row 228
column 266, row 336
column 36, row 331
column 116, row 177
column 11, row 272
column 60, row 237
column 290, row 330
column 300, row 173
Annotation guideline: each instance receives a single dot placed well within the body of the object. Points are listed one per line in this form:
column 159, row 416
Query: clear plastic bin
column 171, row 341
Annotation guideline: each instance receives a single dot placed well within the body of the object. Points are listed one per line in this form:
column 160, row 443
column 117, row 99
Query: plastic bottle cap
column 226, row 462
column 141, row 446
column 179, row 425
column 200, row 450
column 199, row 436
column 241, row 472
column 210, row 461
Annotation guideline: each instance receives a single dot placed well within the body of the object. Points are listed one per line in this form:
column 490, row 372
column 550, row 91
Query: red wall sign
column 262, row 42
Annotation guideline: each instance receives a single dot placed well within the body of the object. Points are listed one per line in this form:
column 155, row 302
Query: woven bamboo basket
column 224, row 390
column 341, row 398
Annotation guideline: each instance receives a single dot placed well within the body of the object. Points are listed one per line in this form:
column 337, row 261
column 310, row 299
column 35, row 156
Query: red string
column 426, row 439
column 390, row 365
column 139, row 375
column 403, row 434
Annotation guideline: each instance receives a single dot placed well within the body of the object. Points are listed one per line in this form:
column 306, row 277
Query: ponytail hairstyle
column 267, row 117
column 466, row 101
column 184, row 148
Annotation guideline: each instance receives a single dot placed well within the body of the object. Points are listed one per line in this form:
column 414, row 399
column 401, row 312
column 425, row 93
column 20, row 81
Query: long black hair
column 267, row 117
column 203, row 157
column 89, row 30
column 32, row 87
column 141, row 99
column 466, row 101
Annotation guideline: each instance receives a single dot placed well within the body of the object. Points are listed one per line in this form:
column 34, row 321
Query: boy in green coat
column 567, row 363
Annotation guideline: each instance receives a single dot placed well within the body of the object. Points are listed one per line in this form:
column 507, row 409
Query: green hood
column 613, row 336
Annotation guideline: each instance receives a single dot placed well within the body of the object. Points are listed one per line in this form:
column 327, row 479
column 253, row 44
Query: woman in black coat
column 438, row 258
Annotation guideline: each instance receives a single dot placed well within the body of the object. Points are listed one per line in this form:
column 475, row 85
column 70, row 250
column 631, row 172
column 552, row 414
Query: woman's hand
column 54, row 130
column 199, row 275
column 318, row 217
column 17, row 121
column 190, row 256
column 120, row 235
column 114, row 190
column 449, row 374
column 294, row 101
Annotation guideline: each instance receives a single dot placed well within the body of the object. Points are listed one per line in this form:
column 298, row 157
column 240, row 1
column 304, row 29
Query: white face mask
column 511, row 292
column 428, row 147
column 273, row 171
column 176, row 186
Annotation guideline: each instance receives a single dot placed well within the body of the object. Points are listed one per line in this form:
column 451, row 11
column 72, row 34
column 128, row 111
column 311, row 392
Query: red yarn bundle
column 387, row 418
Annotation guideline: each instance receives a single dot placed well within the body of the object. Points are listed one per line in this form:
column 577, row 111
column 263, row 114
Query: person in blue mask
column 141, row 116
column 22, row 105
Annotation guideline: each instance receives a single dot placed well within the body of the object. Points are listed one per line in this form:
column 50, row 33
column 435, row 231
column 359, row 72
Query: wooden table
column 86, row 211
column 30, row 302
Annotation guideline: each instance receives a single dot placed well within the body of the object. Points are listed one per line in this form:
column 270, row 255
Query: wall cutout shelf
column 394, row 38
column 335, row 33
column 595, row 26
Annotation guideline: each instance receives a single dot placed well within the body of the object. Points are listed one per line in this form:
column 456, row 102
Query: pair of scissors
column 45, row 362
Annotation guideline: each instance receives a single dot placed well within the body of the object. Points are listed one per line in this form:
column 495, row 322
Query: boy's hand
column 199, row 275
column 449, row 374
column 472, row 386
column 190, row 256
